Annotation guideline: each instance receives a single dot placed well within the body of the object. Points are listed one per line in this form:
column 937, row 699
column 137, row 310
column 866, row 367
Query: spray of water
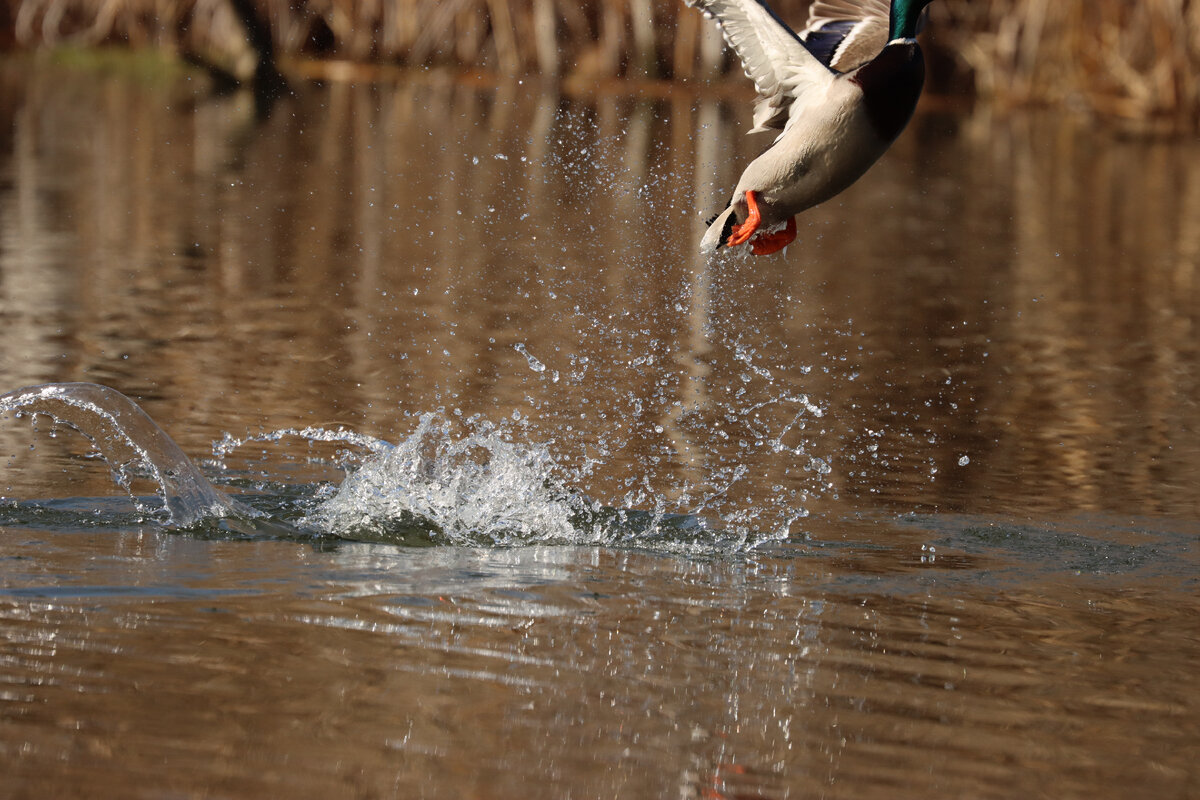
column 438, row 485
column 132, row 445
column 475, row 489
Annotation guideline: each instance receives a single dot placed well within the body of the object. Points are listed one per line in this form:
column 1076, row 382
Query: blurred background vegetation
column 1133, row 59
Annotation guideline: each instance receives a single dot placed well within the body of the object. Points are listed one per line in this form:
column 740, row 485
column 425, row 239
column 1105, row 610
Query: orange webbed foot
column 769, row 243
column 742, row 233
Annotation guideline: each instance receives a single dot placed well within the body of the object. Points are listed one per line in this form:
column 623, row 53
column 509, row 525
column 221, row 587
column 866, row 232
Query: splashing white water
column 443, row 484
column 440, row 485
column 132, row 444
column 477, row 489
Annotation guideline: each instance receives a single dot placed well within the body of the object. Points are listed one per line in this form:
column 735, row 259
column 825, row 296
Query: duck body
column 834, row 125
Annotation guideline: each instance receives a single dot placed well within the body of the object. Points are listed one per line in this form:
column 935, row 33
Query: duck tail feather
column 719, row 228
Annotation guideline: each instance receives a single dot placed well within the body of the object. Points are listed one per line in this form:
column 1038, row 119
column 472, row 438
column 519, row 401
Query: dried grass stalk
column 1137, row 59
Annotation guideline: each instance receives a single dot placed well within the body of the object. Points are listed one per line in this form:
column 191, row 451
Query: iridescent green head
column 906, row 15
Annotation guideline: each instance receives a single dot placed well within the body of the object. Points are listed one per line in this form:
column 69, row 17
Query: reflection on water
column 1020, row 293
column 547, row 672
column 996, row 329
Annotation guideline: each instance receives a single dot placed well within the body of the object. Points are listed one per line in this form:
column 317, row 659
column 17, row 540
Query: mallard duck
column 840, row 92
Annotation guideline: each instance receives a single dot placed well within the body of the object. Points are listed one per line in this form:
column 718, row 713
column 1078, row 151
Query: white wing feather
column 823, row 11
column 872, row 24
column 778, row 63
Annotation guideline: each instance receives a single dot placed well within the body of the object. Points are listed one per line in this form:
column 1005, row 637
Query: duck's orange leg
column 742, row 233
column 769, row 243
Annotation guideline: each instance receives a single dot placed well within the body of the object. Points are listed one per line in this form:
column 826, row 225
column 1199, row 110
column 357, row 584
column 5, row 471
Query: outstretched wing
column 845, row 34
column 778, row 62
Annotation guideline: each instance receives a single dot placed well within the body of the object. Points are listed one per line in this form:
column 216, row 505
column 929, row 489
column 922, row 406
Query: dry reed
column 1130, row 59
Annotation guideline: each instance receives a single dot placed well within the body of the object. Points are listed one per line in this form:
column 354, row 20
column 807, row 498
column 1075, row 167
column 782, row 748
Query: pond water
column 530, row 500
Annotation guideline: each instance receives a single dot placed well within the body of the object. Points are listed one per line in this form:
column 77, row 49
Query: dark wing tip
column 823, row 42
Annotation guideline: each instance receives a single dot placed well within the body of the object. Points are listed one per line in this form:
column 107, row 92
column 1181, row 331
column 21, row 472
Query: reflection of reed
column 380, row 250
column 414, row 672
column 1128, row 59
column 1085, row 372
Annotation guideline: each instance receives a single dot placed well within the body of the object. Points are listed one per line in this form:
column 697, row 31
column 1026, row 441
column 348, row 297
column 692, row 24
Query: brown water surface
column 960, row 414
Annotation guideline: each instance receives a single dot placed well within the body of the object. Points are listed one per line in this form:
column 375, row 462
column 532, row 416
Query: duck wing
column 845, row 34
column 773, row 56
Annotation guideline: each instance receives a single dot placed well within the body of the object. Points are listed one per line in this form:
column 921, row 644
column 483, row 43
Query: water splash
column 471, row 483
column 438, row 485
column 132, row 445
column 447, row 483
column 535, row 364
column 480, row 488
